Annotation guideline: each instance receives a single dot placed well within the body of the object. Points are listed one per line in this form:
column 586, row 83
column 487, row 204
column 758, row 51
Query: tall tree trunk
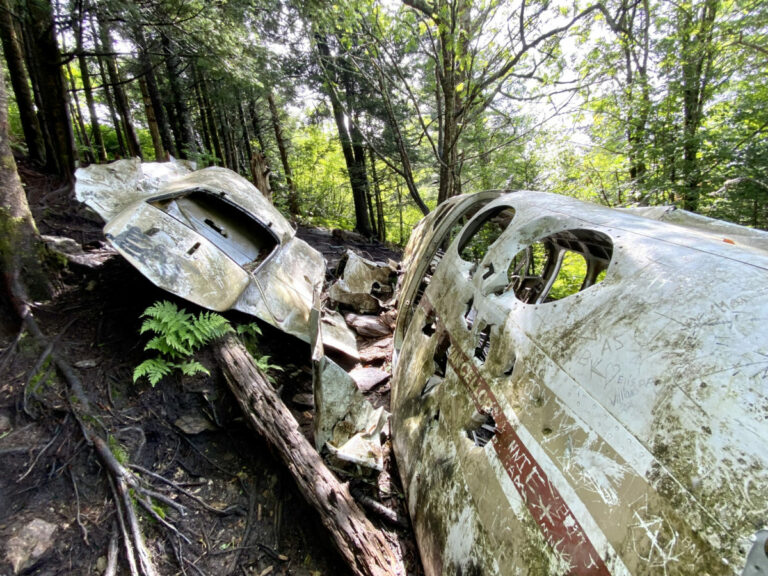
column 697, row 55
column 20, row 245
column 122, row 148
column 123, row 108
column 209, row 114
column 53, row 94
column 154, row 130
column 226, row 141
column 204, row 127
column 359, row 188
column 85, row 77
column 256, row 123
column 381, row 227
column 77, row 113
column 14, row 56
column 405, row 160
column 189, row 147
column 148, row 70
column 293, row 198
column 244, row 127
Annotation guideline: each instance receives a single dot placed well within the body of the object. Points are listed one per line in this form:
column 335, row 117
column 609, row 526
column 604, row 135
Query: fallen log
column 364, row 547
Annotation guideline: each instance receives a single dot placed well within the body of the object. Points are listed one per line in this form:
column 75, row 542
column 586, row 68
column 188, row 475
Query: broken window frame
column 597, row 255
column 247, row 217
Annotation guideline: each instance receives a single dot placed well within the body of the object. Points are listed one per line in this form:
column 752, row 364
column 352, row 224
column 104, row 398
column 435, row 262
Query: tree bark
column 293, row 199
column 363, row 546
column 85, row 77
column 697, row 55
column 14, row 56
column 148, row 70
column 382, row 226
column 189, row 147
column 154, row 130
column 260, row 172
column 256, row 123
column 215, row 140
column 359, row 193
column 20, row 245
column 123, row 108
column 53, row 94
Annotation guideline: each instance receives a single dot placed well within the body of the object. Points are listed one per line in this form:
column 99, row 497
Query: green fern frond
column 251, row 329
column 192, row 367
column 177, row 336
column 155, row 369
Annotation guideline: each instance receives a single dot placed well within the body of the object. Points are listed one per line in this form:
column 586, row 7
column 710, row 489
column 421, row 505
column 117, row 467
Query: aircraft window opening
column 482, row 430
column 469, row 315
column 439, row 252
column 232, row 230
column 559, row 266
column 483, row 232
column 440, row 356
column 483, row 343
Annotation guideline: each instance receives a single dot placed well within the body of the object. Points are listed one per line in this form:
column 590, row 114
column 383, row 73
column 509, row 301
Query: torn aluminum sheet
column 580, row 390
column 346, row 423
column 210, row 237
column 364, row 285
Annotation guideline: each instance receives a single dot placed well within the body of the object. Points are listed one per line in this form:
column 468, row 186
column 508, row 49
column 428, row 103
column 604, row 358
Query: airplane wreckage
column 575, row 389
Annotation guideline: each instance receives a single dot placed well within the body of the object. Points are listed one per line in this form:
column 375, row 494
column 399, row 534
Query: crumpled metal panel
column 345, row 423
column 110, row 188
column 159, row 247
column 618, row 430
column 210, row 237
column 364, row 285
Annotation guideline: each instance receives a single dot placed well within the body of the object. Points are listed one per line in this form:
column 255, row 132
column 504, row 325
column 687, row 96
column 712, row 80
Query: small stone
column 101, row 564
column 30, row 544
column 5, row 423
column 86, row 364
column 304, row 399
column 194, row 424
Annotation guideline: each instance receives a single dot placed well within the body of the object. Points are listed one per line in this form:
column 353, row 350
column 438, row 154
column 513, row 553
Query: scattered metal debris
column 346, row 423
column 580, row 390
column 364, row 285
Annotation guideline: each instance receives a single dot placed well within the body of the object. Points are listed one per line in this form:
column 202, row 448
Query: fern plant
column 178, row 335
column 249, row 335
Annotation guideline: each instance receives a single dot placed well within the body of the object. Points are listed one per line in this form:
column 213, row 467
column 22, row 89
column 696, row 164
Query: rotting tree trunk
column 20, row 244
column 260, row 173
column 363, row 546
column 293, row 199
column 14, row 56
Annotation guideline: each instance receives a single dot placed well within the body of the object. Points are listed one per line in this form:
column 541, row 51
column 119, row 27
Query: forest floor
column 187, row 430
